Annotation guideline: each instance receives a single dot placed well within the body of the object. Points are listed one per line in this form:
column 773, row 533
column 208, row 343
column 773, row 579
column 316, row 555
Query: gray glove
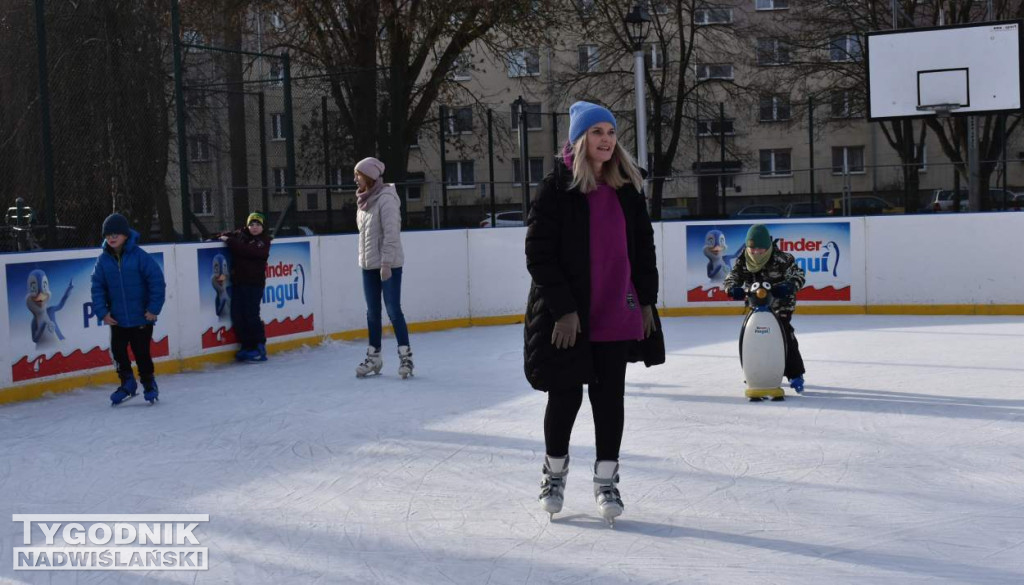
column 563, row 336
column 385, row 272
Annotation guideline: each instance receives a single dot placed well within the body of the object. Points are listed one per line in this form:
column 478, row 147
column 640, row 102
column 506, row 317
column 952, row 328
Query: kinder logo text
column 286, row 282
column 813, row 255
column 110, row 542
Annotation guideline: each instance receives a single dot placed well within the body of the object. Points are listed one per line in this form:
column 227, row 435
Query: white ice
column 902, row 463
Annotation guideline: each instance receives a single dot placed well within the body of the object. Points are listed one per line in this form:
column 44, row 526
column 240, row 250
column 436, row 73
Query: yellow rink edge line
column 35, row 390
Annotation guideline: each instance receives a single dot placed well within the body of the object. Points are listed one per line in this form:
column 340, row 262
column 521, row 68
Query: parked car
column 942, row 200
column 805, row 209
column 758, row 212
column 505, row 219
column 864, row 205
column 299, row 231
column 674, row 212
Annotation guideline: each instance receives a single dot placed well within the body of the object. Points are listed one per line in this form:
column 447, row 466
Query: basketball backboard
column 963, row 69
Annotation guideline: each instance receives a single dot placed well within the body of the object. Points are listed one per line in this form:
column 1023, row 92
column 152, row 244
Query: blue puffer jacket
column 127, row 287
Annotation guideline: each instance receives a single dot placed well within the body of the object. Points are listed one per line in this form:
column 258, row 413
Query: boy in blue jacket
column 127, row 294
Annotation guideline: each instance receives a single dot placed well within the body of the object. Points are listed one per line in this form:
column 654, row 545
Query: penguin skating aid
column 762, row 346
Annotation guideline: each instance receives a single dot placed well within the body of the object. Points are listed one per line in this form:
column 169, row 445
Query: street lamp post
column 637, row 24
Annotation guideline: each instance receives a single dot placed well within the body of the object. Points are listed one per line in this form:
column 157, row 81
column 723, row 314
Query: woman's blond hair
column 619, row 170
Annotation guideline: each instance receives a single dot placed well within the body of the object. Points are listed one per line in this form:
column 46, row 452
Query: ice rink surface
column 902, row 463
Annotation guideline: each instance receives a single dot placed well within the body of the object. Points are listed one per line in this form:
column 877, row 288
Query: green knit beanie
column 758, row 237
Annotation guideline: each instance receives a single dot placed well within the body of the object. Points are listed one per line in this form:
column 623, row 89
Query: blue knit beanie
column 583, row 115
column 116, row 224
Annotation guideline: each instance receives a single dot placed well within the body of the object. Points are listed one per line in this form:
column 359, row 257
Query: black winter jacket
column 558, row 259
column 249, row 256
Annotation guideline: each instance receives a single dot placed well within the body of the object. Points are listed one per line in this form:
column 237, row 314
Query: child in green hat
column 762, row 261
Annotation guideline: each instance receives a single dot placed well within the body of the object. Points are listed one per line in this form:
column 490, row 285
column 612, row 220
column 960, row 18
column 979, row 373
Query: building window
column 343, row 179
column 312, row 200
column 460, row 173
column 922, row 157
column 532, row 116
column 524, row 62
column 714, row 127
column 276, row 72
column 460, row 120
column 415, row 142
column 847, row 159
column 654, row 57
column 587, row 58
column 710, row 71
column 774, row 108
column 462, row 68
column 772, row 52
column 536, row 170
column 279, row 179
column 199, row 148
column 771, row 4
column 844, row 49
column 776, row 163
column 712, row 15
column 276, row 21
column 277, row 126
column 202, row 202
column 414, row 186
column 586, row 8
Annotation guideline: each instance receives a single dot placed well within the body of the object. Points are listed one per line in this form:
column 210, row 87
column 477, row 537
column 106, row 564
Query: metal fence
column 83, row 134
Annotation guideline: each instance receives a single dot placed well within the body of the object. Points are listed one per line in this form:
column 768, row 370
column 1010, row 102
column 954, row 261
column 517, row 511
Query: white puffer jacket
column 380, row 231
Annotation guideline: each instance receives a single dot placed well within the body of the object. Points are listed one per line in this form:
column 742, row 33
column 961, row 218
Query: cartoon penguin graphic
column 719, row 263
column 45, row 331
column 222, row 287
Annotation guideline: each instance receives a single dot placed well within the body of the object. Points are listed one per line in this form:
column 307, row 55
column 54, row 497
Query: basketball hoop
column 940, row 110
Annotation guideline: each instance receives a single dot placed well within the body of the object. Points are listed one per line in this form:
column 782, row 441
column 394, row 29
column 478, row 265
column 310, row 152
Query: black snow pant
column 794, row 362
column 607, row 395
column 138, row 338
column 245, row 315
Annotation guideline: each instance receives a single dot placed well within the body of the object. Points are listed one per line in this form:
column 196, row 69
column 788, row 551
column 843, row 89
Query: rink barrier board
column 38, row 390
column 463, row 273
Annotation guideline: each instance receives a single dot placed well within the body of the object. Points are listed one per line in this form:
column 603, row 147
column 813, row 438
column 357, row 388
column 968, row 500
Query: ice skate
column 552, row 486
column 371, row 365
column 126, row 391
column 797, row 384
column 152, row 391
column 405, row 361
column 606, row 490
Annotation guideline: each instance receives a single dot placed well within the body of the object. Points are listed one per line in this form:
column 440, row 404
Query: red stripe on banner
column 829, row 293
column 219, row 337
column 289, row 326
column 97, row 357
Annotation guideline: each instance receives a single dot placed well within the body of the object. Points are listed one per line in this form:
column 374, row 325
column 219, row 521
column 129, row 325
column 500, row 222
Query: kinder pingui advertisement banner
column 821, row 249
column 53, row 327
column 288, row 297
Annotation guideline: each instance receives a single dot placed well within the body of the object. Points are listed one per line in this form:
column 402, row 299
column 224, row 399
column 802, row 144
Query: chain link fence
column 93, row 128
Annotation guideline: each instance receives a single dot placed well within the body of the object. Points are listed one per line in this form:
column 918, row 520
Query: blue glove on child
column 782, row 290
column 737, row 293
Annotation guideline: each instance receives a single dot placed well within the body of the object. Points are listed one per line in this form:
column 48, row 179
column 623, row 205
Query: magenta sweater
column 614, row 309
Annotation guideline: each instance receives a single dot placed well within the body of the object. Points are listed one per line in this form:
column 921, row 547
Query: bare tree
column 604, row 68
column 109, row 111
column 388, row 62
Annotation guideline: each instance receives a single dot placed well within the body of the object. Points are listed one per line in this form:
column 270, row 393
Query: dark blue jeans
column 391, row 290
column 245, row 315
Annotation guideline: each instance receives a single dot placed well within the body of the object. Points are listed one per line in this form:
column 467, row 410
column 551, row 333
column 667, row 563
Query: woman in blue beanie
column 590, row 253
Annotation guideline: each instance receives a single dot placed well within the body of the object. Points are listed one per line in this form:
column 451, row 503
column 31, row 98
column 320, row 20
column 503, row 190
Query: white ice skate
column 606, row 490
column 552, row 486
column 405, row 361
column 371, row 365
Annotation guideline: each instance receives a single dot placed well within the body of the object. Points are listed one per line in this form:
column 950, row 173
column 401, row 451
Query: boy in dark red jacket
column 250, row 248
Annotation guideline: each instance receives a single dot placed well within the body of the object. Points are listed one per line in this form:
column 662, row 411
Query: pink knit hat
column 370, row 167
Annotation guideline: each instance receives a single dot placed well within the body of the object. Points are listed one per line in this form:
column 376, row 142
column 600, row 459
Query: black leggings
column 138, row 338
column 794, row 362
column 606, row 394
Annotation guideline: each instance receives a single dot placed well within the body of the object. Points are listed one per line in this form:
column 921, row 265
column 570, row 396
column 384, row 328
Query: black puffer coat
column 558, row 258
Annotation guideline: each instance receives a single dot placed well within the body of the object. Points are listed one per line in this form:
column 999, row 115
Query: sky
column 903, row 462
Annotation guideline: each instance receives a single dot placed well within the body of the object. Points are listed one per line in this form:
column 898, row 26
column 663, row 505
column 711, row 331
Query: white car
column 505, row 219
